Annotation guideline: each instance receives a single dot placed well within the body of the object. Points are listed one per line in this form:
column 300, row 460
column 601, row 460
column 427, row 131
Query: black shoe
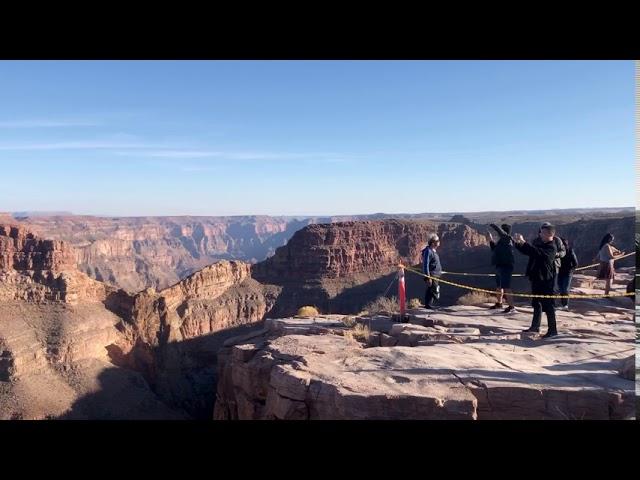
column 429, row 307
column 531, row 330
column 497, row 305
column 509, row 309
column 550, row 334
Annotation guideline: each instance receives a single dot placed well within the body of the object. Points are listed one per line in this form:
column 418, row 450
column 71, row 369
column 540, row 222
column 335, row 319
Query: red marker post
column 402, row 296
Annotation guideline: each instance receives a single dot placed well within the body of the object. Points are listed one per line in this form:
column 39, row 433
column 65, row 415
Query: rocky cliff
column 73, row 347
column 171, row 336
column 340, row 267
column 38, row 270
column 459, row 363
column 54, row 338
column 135, row 253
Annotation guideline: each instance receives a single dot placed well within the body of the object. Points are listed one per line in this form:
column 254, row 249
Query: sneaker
column 550, row 334
column 531, row 330
column 509, row 309
column 497, row 305
column 565, row 308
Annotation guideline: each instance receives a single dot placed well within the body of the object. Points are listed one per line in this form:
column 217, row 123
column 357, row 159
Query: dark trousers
column 564, row 283
column 546, row 305
column 431, row 293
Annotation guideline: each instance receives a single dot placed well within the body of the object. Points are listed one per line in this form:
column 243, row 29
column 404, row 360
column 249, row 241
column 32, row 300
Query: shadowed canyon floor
column 462, row 362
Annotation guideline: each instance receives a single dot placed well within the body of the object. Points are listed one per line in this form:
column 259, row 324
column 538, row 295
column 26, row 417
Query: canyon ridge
column 124, row 318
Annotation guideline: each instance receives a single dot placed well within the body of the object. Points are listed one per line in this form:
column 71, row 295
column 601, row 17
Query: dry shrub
column 349, row 321
column 359, row 333
column 382, row 305
column 475, row 298
column 308, row 311
column 415, row 303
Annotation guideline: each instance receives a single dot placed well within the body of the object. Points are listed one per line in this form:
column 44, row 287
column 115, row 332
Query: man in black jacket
column 503, row 261
column 541, row 270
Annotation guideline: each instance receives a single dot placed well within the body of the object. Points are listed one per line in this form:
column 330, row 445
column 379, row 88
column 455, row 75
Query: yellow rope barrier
column 527, row 295
column 522, row 275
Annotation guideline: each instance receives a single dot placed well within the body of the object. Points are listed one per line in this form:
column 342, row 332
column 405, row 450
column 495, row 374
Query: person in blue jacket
column 431, row 266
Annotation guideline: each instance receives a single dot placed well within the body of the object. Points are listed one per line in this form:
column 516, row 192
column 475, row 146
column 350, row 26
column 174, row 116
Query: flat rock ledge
column 461, row 362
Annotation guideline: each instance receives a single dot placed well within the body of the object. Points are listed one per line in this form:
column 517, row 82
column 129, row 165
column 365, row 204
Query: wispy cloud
column 76, row 145
column 232, row 155
column 124, row 145
column 43, row 123
column 170, row 153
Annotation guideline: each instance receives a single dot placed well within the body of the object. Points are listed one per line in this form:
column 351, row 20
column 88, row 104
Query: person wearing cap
column 541, row 271
column 503, row 261
column 431, row 266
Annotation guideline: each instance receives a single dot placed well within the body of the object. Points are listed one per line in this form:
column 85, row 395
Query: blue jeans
column 564, row 282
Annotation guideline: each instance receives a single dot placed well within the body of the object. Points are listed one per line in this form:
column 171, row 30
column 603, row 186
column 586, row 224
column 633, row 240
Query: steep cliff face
column 35, row 269
column 143, row 252
column 339, row 267
column 170, row 335
column 54, row 338
column 73, row 347
column 21, row 250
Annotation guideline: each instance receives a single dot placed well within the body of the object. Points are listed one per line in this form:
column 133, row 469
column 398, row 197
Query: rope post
column 401, row 291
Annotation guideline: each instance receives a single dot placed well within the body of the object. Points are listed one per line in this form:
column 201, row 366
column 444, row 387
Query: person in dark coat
column 541, row 271
column 431, row 266
column 503, row 260
column 568, row 264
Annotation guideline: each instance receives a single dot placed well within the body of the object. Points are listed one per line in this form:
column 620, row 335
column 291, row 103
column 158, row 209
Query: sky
column 133, row 138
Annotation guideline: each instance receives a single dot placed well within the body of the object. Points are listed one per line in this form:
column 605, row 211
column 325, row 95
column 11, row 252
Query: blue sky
column 315, row 137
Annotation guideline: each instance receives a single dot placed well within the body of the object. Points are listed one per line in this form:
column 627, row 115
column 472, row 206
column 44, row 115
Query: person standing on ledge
column 541, row 271
column 606, row 255
column 431, row 266
column 503, row 260
column 567, row 265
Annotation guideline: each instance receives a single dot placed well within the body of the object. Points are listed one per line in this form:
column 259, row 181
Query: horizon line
column 54, row 213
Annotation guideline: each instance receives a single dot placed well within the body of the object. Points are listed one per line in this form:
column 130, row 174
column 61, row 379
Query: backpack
column 503, row 253
column 559, row 248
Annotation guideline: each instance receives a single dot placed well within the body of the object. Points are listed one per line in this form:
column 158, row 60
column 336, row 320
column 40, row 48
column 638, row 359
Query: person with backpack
column 431, row 266
column 503, row 260
column 541, row 271
column 568, row 264
column 560, row 251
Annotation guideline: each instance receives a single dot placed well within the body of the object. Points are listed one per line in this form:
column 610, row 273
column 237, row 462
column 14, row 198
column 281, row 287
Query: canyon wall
column 135, row 253
column 39, row 270
column 70, row 345
column 340, row 267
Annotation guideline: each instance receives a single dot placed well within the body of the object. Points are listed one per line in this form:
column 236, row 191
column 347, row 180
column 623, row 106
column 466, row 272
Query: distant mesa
column 36, row 213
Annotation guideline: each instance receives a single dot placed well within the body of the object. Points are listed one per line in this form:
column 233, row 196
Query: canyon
column 134, row 253
column 73, row 346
